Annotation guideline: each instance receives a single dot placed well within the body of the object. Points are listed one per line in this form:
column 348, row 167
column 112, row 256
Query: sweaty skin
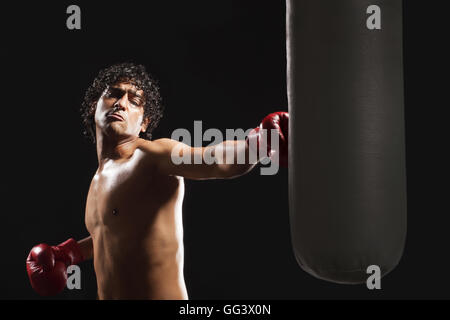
column 134, row 205
column 138, row 249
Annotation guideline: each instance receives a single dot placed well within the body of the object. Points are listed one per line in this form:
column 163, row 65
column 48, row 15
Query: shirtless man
column 134, row 205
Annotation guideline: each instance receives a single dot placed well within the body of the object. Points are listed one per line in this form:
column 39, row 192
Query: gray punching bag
column 347, row 173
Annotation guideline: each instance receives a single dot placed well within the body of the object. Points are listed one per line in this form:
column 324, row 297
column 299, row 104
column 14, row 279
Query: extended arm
column 225, row 160
column 200, row 163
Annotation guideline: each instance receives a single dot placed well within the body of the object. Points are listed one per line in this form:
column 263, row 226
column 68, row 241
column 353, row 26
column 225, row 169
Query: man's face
column 120, row 111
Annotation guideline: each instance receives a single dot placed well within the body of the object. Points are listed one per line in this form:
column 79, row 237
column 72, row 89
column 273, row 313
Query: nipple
column 115, row 212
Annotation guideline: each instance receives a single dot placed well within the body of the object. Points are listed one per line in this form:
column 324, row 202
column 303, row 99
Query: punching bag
column 347, row 172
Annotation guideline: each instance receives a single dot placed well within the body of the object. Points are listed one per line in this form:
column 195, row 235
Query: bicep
column 176, row 158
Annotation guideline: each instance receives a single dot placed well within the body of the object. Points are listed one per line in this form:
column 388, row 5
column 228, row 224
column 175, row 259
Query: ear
column 144, row 124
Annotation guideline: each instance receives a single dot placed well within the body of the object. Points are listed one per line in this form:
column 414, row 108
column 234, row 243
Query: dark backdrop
column 222, row 62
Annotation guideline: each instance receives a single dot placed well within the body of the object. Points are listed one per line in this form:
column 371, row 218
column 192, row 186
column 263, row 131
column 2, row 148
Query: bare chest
column 116, row 194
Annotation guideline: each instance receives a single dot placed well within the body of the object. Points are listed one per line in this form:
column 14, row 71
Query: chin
column 114, row 130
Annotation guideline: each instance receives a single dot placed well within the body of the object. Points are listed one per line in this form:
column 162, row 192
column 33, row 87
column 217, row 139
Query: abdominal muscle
column 133, row 268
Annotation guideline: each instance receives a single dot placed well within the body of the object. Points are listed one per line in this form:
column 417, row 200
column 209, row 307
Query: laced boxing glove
column 278, row 121
column 47, row 266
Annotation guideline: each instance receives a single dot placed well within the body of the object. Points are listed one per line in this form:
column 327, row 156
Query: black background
column 222, row 62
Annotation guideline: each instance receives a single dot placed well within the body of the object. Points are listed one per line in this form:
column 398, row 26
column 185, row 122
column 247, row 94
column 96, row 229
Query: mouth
column 115, row 116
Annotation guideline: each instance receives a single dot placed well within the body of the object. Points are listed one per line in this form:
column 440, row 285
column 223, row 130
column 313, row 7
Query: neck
column 109, row 148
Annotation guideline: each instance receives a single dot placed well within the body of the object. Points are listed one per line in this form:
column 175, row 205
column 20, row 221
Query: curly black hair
column 130, row 73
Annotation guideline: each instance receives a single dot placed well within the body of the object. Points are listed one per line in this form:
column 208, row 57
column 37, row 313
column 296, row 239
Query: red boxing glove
column 278, row 121
column 47, row 266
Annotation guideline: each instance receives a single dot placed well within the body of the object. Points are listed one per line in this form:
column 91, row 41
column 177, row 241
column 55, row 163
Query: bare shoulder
column 155, row 147
column 157, row 153
column 153, row 155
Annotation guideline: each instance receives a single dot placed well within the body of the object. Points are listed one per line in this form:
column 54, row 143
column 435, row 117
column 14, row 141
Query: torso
column 135, row 221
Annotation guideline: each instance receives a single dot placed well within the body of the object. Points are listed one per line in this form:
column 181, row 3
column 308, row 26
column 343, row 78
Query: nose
column 122, row 103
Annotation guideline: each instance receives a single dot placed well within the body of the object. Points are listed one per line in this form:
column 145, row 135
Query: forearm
column 86, row 248
column 231, row 158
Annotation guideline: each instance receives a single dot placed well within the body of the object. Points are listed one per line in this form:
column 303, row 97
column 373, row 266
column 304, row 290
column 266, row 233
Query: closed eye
column 114, row 93
column 136, row 102
column 118, row 93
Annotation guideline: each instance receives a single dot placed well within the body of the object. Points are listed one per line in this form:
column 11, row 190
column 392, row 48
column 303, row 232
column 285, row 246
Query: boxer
column 134, row 205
